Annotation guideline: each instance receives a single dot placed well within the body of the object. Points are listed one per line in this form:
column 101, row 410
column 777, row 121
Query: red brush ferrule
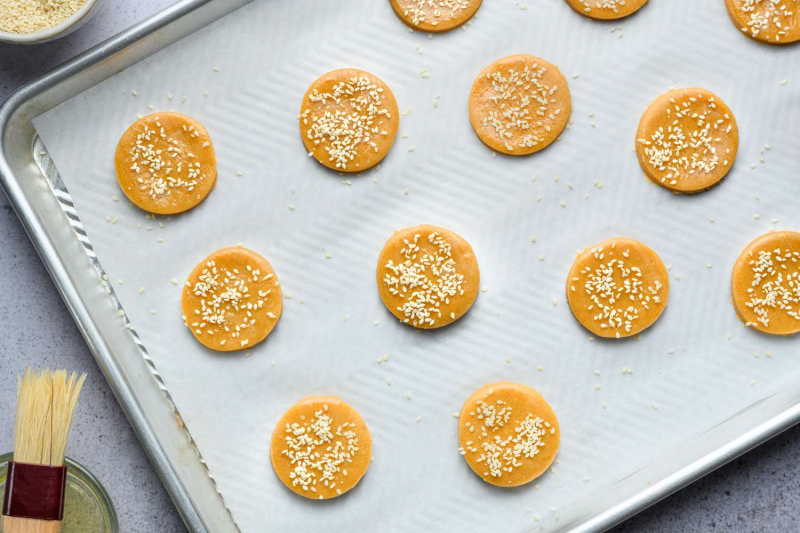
column 35, row 491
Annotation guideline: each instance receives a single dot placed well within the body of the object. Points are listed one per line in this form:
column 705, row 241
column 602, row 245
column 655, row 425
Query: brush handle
column 12, row 524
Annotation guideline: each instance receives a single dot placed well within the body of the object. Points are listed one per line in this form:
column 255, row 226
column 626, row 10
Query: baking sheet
column 266, row 55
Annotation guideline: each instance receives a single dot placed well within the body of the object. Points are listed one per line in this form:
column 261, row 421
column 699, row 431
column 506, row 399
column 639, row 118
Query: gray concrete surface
column 759, row 492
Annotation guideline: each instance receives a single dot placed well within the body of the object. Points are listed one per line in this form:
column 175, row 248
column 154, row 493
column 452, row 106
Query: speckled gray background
column 758, row 492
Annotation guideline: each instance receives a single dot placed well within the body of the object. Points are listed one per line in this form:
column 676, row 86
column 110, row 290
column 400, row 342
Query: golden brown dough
column 767, row 21
column 348, row 120
column 606, row 9
column 519, row 104
column 232, row 300
column 617, row 288
column 765, row 283
column 165, row 163
column 428, row 276
column 321, row 448
column 435, row 15
column 508, row 434
column 687, row 140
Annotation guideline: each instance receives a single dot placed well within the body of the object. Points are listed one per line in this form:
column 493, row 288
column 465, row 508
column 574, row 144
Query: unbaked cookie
column 321, row 448
column 348, row 120
column 768, row 21
column 618, row 288
column 428, row 277
column 687, row 140
column 765, row 283
column 508, row 434
column 165, row 163
column 232, row 300
column 606, row 9
column 435, row 15
column 519, row 104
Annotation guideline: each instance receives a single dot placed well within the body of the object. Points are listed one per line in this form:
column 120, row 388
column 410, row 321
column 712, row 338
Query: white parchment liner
column 267, row 54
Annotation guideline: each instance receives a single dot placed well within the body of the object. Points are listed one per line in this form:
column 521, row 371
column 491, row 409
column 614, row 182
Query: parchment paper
column 267, row 54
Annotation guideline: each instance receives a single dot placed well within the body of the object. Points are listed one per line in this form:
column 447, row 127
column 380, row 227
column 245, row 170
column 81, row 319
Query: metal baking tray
column 34, row 187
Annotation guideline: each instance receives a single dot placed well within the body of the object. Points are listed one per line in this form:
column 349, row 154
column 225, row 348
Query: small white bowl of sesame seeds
column 39, row 21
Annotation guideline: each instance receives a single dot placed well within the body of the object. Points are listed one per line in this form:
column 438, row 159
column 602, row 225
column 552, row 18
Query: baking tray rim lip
column 92, row 56
column 45, row 247
column 625, row 509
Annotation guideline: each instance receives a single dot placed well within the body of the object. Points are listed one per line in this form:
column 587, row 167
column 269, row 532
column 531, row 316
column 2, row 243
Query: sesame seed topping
column 616, row 291
column 162, row 162
column 768, row 19
column 689, row 147
column 434, row 12
column 320, row 451
column 503, row 455
column 345, row 121
column 776, row 284
column 425, row 280
column 230, row 301
column 523, row 109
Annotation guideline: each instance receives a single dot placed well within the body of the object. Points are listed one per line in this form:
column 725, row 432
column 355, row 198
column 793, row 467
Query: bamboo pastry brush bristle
column 34, row 499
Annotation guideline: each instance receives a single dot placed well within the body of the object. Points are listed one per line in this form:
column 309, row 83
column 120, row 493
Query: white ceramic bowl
column 78, row 19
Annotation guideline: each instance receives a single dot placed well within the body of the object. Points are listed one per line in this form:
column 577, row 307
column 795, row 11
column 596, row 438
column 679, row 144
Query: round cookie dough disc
column 767, row 21
column 687, row 140
column 165, row 163
column 232, row 300
column 606, row 9
column 435, row 15
column 519, row 105
column 765, row 283
column 348, row 120
column 336, row 439
column 500, row 419
column 427, row 276
column 618, row 288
